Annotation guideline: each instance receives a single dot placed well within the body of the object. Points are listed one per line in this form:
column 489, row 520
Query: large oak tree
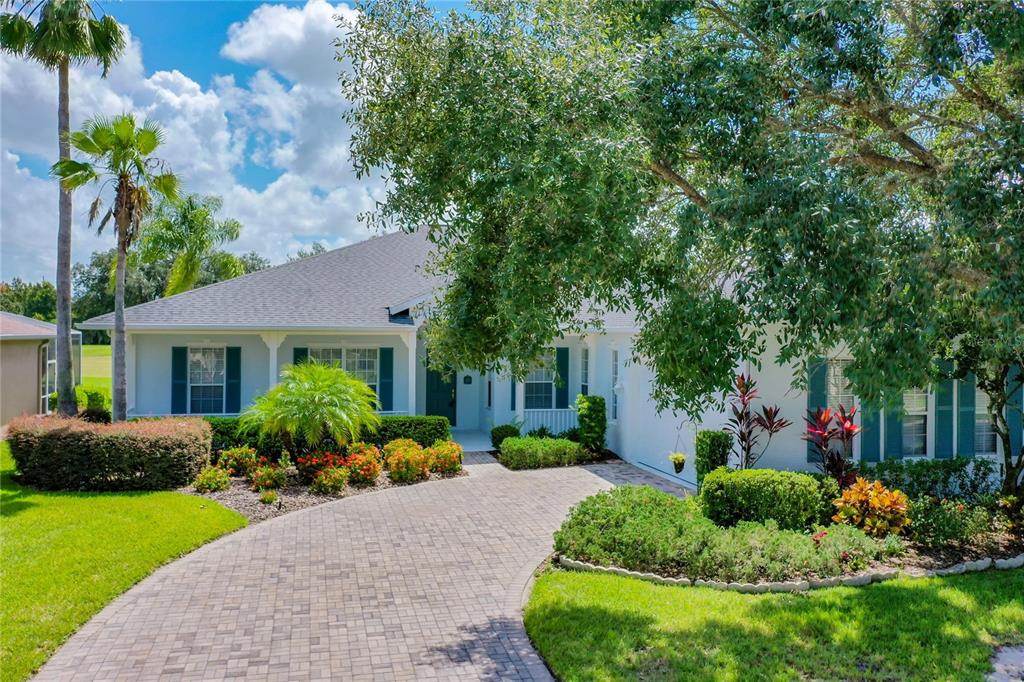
column 831, row 172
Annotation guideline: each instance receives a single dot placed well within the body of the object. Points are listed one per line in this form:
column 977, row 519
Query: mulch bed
column 919, row 559
column 294, row 496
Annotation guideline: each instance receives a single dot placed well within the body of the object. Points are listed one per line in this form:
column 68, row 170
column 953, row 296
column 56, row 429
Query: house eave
column 291, row 329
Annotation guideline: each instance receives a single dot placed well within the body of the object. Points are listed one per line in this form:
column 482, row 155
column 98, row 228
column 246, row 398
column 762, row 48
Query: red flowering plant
column 827, row 428
column 312, row 463
column 365, row 463
column 747, row 426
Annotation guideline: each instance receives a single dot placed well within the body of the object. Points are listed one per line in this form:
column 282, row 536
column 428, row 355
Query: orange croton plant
column 873, row 508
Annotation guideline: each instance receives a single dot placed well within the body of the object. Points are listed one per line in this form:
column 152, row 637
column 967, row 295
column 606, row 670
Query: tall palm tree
column 189, row 230
column 58, row 33
column 119, row 153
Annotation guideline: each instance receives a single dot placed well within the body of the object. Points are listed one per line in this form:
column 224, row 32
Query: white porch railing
column 556, row 420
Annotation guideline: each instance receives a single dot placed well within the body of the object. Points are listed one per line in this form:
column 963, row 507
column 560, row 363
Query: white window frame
column 981, row 419
column 926, row 412
column 614, row 407
column 223, row 384
column 544, row 373
column 833, row 396
column 343, row 363
column 585, row 369
column 44, row 361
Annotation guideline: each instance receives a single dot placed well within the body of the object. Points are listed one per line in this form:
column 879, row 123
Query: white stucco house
column 212, row 350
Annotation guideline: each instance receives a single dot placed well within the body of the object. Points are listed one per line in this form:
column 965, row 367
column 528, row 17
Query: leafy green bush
column 227, row 435
column 711, row 450
column 425, row 430
column 211, row 479
column 790, row 499
column 572, row 433
column 313, row 401
column 643, row 529
column 70, row 454
column 540, row 432
column 330, row 481
column 593, row 421
column 525, row 452
column 268, row 476
column 96, row 410
column 958, row 478
column 238, row 461
column 501, row 432
column 935, row 522
column 828, row 492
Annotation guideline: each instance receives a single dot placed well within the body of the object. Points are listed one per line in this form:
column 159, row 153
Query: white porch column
column 130, row 371
column 273, row 341
column 520, row 401
column 410, row 342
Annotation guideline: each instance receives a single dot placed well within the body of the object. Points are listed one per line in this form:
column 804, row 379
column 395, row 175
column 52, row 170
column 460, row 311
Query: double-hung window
column 984, row 434
column 615, row 385
column 585, row 371
column 539, row 389
column 206, row 379
column 840, row 391
column 362, row 363
column 915, row 422
column 328, row 356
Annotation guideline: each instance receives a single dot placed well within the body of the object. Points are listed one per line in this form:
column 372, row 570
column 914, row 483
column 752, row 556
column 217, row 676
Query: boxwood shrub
column 711, row 450
column 790, row 499
column 593, row 421
column 526, row 452
column 502, row 431
column 958, row 478
column 70, row 454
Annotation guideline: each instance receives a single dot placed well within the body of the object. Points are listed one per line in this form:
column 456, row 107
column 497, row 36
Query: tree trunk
column 120, row 397
column 65, row 372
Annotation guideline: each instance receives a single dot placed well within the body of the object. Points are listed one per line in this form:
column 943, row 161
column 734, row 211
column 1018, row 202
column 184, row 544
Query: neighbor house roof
column 13, row 326
column 347, row 288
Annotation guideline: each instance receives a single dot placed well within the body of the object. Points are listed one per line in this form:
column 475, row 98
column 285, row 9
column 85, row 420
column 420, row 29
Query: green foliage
column 828, row 492
column 540, row 432
column 96, row 409
column 425, row 430
column 643, row 529
column 268, row 477
column 572, row 433
column 237, row 461
column 959, row 478
column 873, row 508
column 330, row 481
column 268, row 497
column 526, row 452
column 314, row 401
column 936, row 522
column 501, row 432
column 212, row 479
column 38, row 301
column 593, row 420
column 70, row 454
column 712, row 450
column 445, row 457
column 790, row 499
column 407, row 461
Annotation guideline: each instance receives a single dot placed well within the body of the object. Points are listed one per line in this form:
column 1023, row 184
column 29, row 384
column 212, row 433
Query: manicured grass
column 63, row 556
column 598, row 627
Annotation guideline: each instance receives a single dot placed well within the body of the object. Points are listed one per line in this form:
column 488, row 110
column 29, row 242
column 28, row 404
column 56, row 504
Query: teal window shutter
column 871, row 437
column 1013, row 410
column 513, row 395
column 817, row 396
column 562, row 387
column 233, row 380
column 386, row 380
column 944, row 416
column 894, row 432
column 965, row 418
column 179, row 380
column 299, row 355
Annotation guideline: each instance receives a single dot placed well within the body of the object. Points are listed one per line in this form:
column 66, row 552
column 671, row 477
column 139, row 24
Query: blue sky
column 248, row 96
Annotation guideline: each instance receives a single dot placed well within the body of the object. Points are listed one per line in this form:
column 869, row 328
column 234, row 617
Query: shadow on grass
column 906, row 630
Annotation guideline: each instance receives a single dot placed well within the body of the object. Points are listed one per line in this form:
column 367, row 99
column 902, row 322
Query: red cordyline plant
column 825, row 429
column 746, row 426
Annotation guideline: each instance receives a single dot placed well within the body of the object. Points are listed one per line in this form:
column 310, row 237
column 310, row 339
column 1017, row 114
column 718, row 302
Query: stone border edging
column 875, row 576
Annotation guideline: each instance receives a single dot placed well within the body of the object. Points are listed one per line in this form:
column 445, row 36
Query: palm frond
column 15, row 33
column 183, row 275
column 108, row 42
column 73, row 174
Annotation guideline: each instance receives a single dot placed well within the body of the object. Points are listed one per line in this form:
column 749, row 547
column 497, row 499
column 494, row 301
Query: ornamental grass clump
column 873, row 508
column 314, row 401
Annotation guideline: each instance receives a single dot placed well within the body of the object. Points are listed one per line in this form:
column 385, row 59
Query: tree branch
column 691, row 192
column 872, row 159
column 982, row 99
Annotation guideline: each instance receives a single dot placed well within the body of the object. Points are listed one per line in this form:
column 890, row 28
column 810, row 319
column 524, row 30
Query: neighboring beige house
column 28, row 365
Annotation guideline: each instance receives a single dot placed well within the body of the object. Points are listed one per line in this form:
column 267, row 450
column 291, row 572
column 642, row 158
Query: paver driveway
column 420, row 582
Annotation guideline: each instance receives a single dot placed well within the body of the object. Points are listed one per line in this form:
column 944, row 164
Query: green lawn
column 63, row 556
column 95, row 370
column 598, row 627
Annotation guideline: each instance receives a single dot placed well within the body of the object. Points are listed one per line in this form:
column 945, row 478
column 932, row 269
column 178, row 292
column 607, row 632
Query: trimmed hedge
column 593, row 421
column 70, row 454
column 502, row 431
column 526, row 452
column 957, row 478
column 790, row 499
column 425, row 430
column 711, row 450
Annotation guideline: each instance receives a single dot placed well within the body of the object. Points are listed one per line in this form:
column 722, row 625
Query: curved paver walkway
column 421, row 582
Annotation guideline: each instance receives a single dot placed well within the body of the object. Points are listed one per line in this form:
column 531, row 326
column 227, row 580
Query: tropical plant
column 188, row 231
column 313, row 401
column 330, row 481
column 746, row 426
column 827, row 427
column 121, row 153
column 873, row 508
column 64, row 32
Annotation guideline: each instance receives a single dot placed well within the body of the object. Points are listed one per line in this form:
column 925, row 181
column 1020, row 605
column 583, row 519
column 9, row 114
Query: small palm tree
column 63, row 32
column 189, row 231
column 120, row 153
column 314, row 401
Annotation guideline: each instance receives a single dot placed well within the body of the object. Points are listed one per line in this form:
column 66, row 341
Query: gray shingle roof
column 347, row 288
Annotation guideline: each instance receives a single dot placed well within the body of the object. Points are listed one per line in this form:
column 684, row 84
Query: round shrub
column 527, row 452
column 501, row 432
column 790, row 499
column 365, row 449
column 237, row 461
column 941, row 522
column 391, row 447
column 408, row 464
column 593, row 421
column 267, row 477
column 211, row 479
column 711, row 450
column 873, row 508
column 364, row 467
column 311, row 464
column 330, row 481
column 268, row 497
column 445, row 457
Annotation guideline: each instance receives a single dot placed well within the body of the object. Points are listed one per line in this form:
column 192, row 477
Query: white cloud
column 287, row 118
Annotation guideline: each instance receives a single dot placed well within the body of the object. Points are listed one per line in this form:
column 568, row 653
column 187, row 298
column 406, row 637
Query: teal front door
column 441, row 395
